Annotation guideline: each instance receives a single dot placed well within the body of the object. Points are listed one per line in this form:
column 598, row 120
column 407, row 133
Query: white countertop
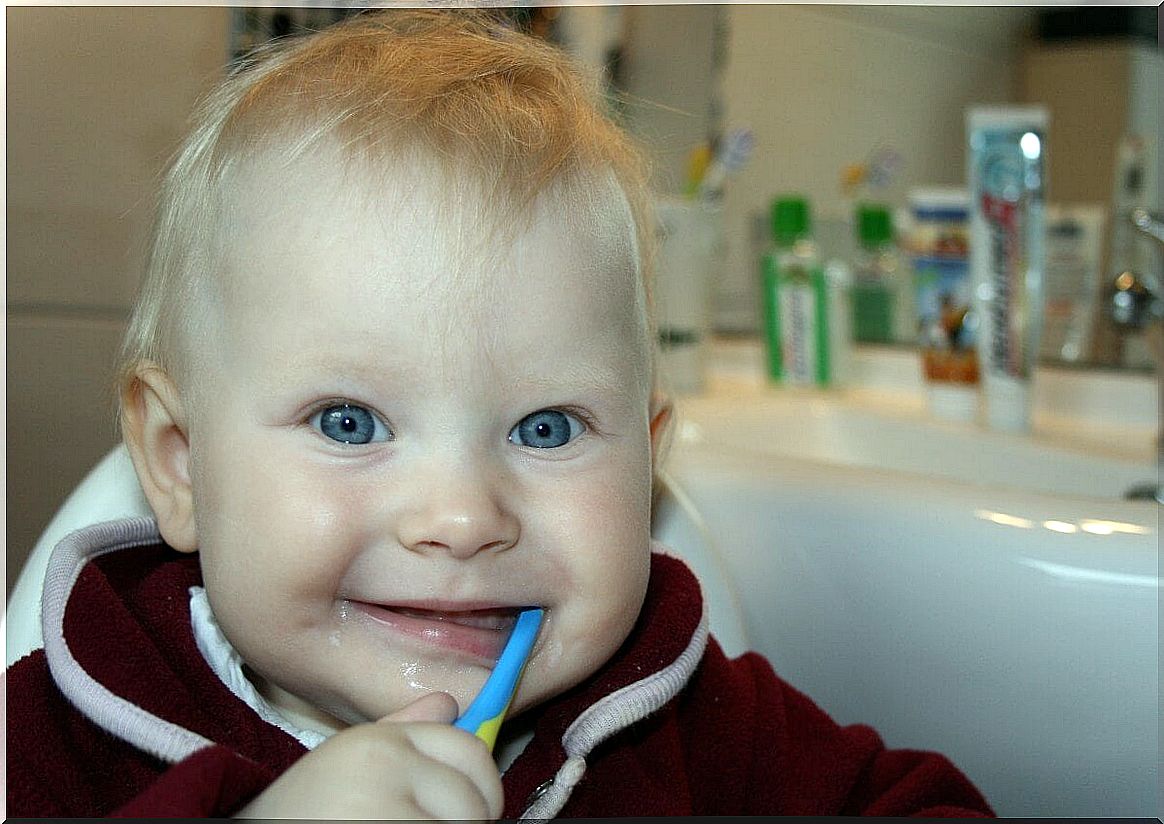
column 1111, row 413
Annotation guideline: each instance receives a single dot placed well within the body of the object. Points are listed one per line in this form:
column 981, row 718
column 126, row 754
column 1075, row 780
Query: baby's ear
column 153, row 422
column 662, row 413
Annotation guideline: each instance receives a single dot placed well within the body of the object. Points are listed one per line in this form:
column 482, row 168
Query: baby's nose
column 463, row 517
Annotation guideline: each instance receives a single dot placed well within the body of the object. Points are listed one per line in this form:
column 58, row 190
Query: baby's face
column 390, row 458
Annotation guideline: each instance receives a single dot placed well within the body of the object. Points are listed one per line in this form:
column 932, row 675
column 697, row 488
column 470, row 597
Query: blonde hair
column 510, row 113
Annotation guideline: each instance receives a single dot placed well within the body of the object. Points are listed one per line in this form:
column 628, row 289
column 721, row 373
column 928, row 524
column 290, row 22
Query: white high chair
column 111, row 491
column 108, row 492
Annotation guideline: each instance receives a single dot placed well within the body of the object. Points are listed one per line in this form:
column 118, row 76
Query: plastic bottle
column 876, row 277
column 796, row 300
column 939, row 249
column 838, row 277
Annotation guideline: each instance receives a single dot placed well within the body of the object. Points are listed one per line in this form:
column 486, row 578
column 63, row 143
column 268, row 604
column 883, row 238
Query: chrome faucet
column 1137, row 304
column 1136, row 299
column 1148, row 223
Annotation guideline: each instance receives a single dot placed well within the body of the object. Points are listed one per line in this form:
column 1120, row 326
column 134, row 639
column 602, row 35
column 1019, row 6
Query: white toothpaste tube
column 1006, row 178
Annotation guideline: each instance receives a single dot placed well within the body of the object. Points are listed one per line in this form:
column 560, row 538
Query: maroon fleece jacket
column 733, row 740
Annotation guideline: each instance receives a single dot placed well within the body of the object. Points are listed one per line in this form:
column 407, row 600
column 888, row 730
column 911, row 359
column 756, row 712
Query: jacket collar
column 652, row 666
column 137, row 672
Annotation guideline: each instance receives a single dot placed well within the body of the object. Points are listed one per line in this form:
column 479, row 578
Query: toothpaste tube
column 1006, row 179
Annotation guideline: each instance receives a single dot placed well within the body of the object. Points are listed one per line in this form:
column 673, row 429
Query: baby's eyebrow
column 333, row 366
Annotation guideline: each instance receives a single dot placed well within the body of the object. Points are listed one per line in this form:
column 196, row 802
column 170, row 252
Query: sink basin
column 986, row 595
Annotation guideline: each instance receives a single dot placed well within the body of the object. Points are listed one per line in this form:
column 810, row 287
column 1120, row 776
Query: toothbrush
column 484, row 716
column 733, row 154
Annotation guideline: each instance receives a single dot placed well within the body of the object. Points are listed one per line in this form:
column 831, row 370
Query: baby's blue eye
column 546, row 429
column 348, row 423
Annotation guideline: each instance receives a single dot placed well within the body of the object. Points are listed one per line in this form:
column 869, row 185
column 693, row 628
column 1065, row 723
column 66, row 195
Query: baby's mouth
column 478, row 634
column 497, row 619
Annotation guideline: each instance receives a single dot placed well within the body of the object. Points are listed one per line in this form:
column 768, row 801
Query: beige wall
column 823, row 86
column 670, row 82
column 97, row 98
column 820, row 87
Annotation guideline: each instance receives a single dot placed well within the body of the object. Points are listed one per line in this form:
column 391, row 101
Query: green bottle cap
column 874, row 224
column 790, row 219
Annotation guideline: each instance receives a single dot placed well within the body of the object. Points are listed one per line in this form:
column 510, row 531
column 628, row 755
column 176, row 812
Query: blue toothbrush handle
column 484, row 716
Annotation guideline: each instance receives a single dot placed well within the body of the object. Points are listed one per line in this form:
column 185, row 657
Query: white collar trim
column 226, row 662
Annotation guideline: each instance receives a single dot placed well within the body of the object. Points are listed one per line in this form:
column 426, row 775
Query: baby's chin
column 305, row 712
column 557, row 667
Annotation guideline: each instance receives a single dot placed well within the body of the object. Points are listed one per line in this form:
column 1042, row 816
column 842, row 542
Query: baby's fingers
column 477, row 783
column 434, row 706
column 447, row 794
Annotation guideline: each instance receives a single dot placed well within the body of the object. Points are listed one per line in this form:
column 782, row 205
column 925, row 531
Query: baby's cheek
column 308, row 529
column 605, row 612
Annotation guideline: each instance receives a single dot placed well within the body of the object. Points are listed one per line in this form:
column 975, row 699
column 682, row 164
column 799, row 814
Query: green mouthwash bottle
column 796, row 299
column 876, row 276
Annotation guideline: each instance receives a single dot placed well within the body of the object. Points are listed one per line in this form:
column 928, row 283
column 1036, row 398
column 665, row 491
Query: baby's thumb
column 436, row 706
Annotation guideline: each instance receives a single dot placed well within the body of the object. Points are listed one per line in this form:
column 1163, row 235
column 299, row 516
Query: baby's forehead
column 426, row 233
column 406, row 199
column 380, row 261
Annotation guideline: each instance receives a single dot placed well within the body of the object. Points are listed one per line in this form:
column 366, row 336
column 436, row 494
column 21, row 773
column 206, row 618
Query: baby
column 389, row 382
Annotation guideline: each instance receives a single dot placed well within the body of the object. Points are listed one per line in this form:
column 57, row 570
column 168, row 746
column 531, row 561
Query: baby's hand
column 411, row 764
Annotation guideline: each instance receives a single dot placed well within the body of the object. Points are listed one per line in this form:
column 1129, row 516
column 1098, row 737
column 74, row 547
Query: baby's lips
column 477, row 632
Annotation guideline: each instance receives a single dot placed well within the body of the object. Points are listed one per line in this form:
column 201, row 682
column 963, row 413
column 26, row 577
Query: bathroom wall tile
column 97, row 100
column 60, row 417
column 825, row 86
column 72, row 256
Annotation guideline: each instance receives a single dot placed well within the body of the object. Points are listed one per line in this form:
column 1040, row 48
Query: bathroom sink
column 987, row 595
column 1097, row 439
